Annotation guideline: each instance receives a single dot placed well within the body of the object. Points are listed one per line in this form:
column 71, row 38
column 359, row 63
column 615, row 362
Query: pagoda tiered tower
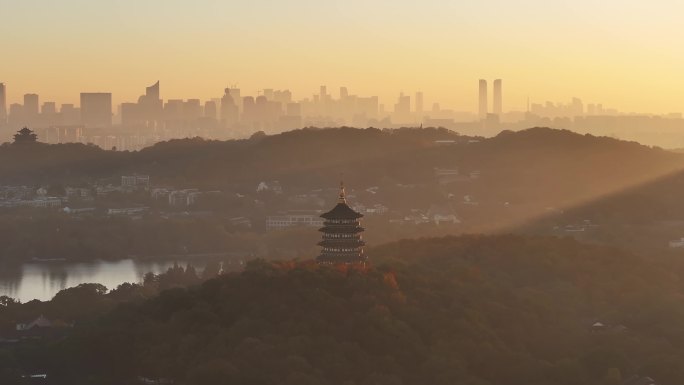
column 342, row 242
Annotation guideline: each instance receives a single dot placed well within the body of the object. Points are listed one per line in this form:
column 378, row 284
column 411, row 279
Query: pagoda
column 342, row 242
column 25, row 136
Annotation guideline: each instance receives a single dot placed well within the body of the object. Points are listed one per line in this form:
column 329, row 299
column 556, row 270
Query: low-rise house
column 83, row 210
column 134, row 182
column 240, row 222
column 45, row 202
column 39, row 202
column 470, row 201
column 127, row 211
column 416, row 217
column 106, row 190
column 16, row 193
column 161, row 193
column 307, row 199
column 677, row 243
column 40, row 322
column 273, row 186
column 293, row 219
column 447, row 175
column 440, row 215
column 78, row 193
column 376, row 209
column 181, row 198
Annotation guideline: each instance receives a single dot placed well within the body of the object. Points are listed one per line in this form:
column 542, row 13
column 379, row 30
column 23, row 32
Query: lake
column 42, row 280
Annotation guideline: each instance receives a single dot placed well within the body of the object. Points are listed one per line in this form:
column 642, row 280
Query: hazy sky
column 627, row 54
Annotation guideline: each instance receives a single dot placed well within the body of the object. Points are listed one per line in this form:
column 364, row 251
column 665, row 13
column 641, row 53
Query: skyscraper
column 210, row 110
column 150, row 107
column 344, row 93
column 31, row 108
column 483, row 99
column 229, row 110
column 96, row 109
column 498, row 98
column 403, row 106
column 152, row 92
column 3, row 104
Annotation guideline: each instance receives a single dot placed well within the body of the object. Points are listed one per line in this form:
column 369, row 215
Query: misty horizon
column 547, row 51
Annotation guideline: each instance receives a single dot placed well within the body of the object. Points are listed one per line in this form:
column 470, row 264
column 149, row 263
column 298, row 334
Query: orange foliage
column 390, row 279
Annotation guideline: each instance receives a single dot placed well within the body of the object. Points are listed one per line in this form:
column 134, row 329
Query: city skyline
column 489, row 91
column 545, row 51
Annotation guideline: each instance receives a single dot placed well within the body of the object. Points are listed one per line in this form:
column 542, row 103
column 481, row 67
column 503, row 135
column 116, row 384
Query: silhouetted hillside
column 644, row 218
column 208, row 162
column 315, row 156
column 467, row 310
column 417, row 175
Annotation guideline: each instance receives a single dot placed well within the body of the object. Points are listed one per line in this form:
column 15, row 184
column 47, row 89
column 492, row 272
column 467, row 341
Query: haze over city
column 615, row 52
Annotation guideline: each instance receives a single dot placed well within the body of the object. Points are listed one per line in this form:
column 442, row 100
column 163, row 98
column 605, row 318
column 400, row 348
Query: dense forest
column 471, row 310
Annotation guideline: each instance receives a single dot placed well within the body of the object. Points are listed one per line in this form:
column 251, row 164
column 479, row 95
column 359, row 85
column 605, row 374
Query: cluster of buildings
column 23, row 196
column 150, row 119
column 81, row 200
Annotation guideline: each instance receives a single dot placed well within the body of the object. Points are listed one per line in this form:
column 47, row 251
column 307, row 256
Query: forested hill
column 213, row 162
column 457, row 310
column 312, row 157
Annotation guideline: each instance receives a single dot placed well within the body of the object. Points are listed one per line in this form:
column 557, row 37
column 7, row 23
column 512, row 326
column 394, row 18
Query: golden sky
column 626, row 54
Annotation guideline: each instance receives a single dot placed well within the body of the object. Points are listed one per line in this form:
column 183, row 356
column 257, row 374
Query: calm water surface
column 42, row 280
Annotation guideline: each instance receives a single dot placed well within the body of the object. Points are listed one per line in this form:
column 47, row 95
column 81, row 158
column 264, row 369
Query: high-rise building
column 577, row 107
column 237, row 98
column 70, row 115
column 3, row 104
column 403, row 106
column 419, row 103
column 483, row 100
column 96, row 109
column 49, row 108
column 210, row 110
column 16, row 115
column 152, row 92
column 229, row 110
column 31, row 109
column 151, row 107
column 192, row 110
column 498, row 98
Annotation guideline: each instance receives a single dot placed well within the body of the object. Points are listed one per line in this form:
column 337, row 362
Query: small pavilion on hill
column 25, row 135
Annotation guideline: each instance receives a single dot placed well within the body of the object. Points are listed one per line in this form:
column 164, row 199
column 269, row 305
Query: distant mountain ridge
column 196, row 160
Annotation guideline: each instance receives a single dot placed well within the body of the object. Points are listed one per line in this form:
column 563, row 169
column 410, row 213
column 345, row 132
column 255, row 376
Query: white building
column 677, row 243
column 135, row 181
column 291, row 220
column 187, row 197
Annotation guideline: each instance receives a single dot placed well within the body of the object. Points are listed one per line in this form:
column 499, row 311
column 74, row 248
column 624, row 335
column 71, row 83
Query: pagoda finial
column 343, row 195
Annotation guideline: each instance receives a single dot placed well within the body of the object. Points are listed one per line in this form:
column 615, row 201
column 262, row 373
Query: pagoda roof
column 342, row 242
column 341, row 258
column 342, row 229
column 342, row 211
